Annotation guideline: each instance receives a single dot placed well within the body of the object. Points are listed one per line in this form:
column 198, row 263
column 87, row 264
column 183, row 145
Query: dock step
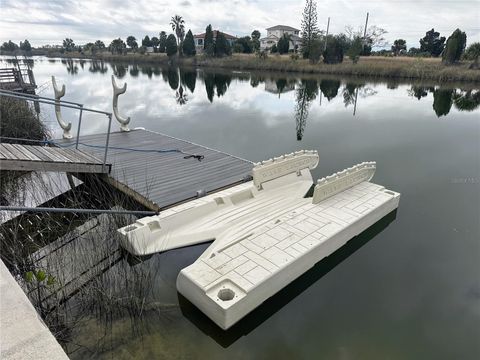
column 44, row 158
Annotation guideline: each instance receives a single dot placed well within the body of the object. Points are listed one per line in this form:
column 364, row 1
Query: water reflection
column 444, row 98
column 216, row 81
column 72, row 67
column 301, row 91
column 306, row 92
column 98, row 66
column 467, row 100
column 442, row 101
column 330, row 88
column 189, row 78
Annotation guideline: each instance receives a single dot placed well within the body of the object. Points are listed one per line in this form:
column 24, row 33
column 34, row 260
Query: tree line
column 332, row 48
column 315, row 44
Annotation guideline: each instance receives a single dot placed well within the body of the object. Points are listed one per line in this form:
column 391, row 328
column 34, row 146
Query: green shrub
column 455, row 47
column 171, row 45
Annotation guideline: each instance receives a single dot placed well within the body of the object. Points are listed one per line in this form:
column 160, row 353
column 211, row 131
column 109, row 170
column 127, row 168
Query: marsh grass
column 86, row 275
column 18, row 119
column 372, row 66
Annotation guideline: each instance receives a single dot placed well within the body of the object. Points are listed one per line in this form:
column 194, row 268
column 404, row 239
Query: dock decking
column 159, row 180
column 42, row 158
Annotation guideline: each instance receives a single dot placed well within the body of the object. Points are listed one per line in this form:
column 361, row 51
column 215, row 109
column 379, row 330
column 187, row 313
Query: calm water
column 407, row 289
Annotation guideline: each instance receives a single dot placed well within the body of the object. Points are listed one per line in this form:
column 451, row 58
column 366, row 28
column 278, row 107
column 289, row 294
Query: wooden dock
column 43, row 158
column 17, row 79
column 158, row 180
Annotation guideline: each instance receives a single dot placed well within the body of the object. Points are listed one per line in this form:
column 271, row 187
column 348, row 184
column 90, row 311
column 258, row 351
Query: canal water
column 409, row 288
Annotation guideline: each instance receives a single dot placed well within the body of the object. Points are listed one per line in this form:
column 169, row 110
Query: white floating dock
column 266, row 232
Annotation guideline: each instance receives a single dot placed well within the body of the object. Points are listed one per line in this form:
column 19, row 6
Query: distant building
column 200, row 39
column 274, row 34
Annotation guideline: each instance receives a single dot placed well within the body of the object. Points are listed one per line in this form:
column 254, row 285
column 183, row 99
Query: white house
column 274, row 34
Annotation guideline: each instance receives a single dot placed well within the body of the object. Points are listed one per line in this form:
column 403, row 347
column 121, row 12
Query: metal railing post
column 79, row 124
column 107, row 141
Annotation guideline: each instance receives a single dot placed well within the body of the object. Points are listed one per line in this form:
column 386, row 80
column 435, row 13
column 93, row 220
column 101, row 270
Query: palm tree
column 178, row 26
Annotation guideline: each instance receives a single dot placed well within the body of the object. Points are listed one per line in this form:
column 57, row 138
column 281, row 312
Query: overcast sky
column 50, row 21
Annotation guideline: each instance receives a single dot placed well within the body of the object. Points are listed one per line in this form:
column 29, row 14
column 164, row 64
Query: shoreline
column 388, row 68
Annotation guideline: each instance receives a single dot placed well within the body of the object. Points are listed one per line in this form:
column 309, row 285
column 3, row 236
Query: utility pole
column 365, row 29
column 326, row 35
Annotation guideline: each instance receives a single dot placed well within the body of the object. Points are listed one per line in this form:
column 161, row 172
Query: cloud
column 49, row 22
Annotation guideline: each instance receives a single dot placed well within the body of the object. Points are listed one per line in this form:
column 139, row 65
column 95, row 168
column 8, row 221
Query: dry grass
column 373, row 66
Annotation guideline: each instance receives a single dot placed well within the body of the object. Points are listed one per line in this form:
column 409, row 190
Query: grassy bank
column 372, row 66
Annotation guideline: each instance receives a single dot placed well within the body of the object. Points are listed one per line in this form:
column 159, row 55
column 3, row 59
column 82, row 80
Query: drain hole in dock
column 226, row 294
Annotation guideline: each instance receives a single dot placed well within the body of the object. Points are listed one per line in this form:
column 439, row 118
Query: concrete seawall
column 23, row 334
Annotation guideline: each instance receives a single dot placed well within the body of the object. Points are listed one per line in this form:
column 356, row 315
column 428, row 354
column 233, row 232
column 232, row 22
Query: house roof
column 215, row 32
column 274, row 37
column 270, row 37
column 282, row 27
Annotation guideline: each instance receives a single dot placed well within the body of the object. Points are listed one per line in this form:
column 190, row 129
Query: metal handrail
column 67, row 104
column 37, row 97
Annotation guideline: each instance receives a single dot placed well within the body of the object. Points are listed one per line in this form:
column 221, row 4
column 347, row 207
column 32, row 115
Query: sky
column 50, row 21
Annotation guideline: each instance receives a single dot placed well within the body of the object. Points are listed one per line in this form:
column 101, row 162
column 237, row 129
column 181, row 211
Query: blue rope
column 159, row 151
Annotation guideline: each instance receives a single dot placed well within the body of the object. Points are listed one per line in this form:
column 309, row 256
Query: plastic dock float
column 265, row 233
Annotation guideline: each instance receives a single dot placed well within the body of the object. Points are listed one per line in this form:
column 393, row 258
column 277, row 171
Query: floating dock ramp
column 266, row 233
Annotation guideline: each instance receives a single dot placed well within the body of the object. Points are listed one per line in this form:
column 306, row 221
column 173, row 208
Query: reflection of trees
column 134, row 70
column 173, row 80
column 281, row 83
column 98, row 66
column 222, row 82
column 442, row 101
column 82, row 64
column 392, row 84
column 181, row 96
column 209, row 86
column 29, row 63
column 72, row 67
column 304, row 95
column 418, row 91
column 219, row 81
column 165, row 74
column 119, row 70
column 189, row 78
column 329, row 88
column 466, row 100
column 255, row 80
column 352, row 91
column 147, row 70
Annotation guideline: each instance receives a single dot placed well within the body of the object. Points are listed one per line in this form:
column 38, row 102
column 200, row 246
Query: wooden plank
column 24, row 151
column 41, row 149
column 59, row 153
column 89, row 156
column 70, row 156
column 22, row 165
column 5, row 152
column 9, row 153
column 18, row 154
column 161, row 179
column 36, row 150
column 54, row 155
